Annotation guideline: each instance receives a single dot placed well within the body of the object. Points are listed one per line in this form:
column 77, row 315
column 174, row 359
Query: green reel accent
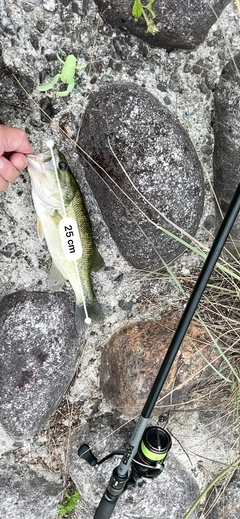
column 152, row 456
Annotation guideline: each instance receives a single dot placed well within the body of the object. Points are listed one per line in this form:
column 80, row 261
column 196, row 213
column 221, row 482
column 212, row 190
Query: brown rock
column 132, row 358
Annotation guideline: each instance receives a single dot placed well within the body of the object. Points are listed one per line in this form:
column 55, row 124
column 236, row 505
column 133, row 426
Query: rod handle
column 114, row 490
column 106, row 506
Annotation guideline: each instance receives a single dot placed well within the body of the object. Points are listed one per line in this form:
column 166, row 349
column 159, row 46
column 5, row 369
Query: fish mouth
column 37, row 163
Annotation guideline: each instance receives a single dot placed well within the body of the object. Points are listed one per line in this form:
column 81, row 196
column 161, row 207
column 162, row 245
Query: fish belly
column 66, row 267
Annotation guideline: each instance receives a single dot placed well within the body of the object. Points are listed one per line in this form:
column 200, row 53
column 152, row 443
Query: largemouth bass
column 49, row 208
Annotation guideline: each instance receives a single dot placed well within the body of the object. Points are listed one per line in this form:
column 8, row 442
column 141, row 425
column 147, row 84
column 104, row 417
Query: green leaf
column 149, row 8
column 69, row 503
column 62, row 510
column 137, row 9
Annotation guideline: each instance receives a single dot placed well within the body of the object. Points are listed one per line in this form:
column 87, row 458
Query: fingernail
column 2, row 163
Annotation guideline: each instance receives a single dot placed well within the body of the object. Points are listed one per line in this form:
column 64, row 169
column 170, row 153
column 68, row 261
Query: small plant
column 69, row 503
column 147, row 12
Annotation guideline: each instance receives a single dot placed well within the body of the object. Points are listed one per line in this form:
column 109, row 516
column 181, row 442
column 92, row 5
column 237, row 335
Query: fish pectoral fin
column 40, row 230
column 56, row 218
column 56, row 279
column 97, row 262
column 94, row 312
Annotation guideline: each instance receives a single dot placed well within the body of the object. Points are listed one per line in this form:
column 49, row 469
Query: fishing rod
column 148, row 446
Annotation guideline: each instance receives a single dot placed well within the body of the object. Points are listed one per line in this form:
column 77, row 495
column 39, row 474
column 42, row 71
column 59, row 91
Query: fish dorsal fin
column 40, row 229
column 98, row 261
column 56, row 279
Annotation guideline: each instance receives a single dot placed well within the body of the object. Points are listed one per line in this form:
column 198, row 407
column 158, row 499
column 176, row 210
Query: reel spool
column 151, row 454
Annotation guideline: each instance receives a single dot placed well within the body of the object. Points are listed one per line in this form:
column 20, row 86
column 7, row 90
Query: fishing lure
column 66, row 76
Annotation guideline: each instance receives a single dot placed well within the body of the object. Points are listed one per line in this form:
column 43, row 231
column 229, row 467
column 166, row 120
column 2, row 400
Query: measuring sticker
column 70, row 238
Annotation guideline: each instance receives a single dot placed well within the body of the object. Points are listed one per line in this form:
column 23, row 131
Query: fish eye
column 62, row 166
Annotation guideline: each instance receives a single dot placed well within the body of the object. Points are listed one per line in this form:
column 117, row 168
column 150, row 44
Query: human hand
column 13, row 144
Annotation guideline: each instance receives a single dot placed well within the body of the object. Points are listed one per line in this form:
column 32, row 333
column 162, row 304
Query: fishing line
column 50, row 144
column 173, row 224
column 69, row 234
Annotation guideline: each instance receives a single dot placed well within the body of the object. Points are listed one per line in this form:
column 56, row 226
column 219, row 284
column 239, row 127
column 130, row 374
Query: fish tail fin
column 94, row 312
column 80, row 317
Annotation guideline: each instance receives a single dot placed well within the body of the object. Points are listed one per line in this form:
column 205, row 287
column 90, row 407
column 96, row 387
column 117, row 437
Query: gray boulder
column 165, row 181
column 226, row 158
column 180, row 24
column 28, row 492
column 38, row 357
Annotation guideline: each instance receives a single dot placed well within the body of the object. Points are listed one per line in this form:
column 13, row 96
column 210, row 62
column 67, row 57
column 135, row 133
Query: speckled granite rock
column 180, row 25
column 226, row 158
column 132, row 357
column 12, row 93
column 162, row 165
column 38, row 357
column 28, row 491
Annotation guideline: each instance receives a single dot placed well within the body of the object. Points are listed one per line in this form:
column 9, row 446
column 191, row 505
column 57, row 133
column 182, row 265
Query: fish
column 50, row 212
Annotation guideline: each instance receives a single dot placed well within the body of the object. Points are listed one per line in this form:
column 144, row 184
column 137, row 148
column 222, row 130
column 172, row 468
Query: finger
column 3, row 184
column 14, row 139
column 7, row 170
column 18, row 160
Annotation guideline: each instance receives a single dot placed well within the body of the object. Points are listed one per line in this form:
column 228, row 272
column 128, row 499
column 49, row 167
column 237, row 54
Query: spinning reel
column 148, row 461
